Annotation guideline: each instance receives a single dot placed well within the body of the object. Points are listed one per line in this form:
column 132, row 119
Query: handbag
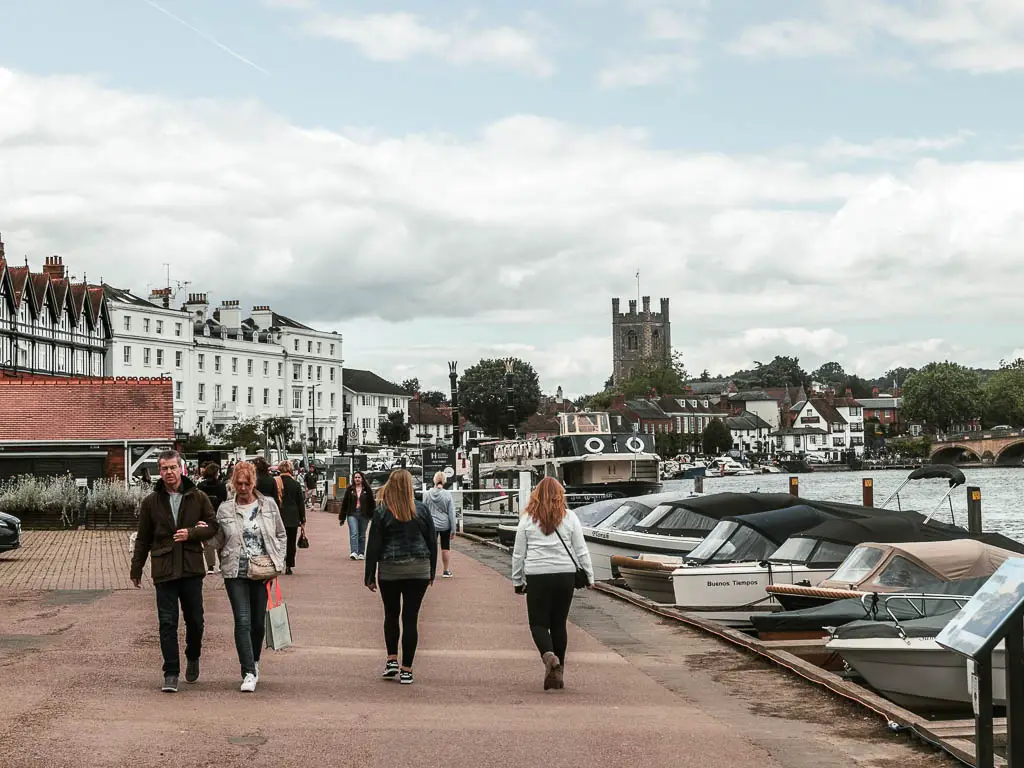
column 303, row 542
column 580, row 579
column 261, row 568
column 278, row 629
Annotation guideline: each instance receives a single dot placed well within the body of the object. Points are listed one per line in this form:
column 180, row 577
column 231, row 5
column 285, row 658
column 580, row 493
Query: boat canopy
column 743, row 538
column 939, row 471
column 592, row 514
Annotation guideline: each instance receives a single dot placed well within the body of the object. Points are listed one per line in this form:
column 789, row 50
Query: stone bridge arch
column 1011, row 454
column 956, row 453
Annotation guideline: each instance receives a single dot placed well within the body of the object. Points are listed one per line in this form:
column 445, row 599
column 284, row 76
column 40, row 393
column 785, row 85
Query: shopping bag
column 278, row 630
column 303, row 542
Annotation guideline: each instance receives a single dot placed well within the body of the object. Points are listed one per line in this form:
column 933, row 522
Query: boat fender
column 635, row 444
column 594, row 445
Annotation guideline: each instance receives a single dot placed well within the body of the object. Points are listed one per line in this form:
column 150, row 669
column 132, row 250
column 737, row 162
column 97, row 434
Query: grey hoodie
column 442, row 508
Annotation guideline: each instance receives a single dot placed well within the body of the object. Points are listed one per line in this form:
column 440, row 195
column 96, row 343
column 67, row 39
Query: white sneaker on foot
column 361, row 557
column 353, row 556
column 257, row 671
column 249, row 683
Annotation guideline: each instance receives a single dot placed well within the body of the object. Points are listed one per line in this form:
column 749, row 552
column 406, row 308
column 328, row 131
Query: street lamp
column 453, row 379
column 312, row 392
column 509, row 367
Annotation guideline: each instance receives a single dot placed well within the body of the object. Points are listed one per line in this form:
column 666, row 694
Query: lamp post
column 312, row 392
column 453, row 379
column 509, row 409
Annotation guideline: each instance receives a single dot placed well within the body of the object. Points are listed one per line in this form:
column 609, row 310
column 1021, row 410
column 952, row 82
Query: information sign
column 981, row 624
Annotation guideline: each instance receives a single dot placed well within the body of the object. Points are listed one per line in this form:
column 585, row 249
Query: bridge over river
column 1003, row 448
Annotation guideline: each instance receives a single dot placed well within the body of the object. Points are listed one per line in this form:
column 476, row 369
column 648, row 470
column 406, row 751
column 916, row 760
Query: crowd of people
column 249, row 527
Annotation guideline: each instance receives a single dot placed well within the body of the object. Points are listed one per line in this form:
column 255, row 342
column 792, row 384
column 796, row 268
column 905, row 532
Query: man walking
column 174, row 521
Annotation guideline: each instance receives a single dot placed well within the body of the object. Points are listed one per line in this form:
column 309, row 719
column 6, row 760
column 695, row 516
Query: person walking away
column 357, row 507
column 401, row 559
column 549, row 548
column 266, row 483
column 293, row 511
column 174, row 521
column 442, row 512
column 311, row 481
column 217, row 491
column 250, row 531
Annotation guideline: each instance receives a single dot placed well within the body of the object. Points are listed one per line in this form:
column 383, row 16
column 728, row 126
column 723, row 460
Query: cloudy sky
column 451, row 180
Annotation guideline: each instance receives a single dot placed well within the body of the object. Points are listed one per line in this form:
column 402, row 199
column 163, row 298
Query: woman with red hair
column 549, row 551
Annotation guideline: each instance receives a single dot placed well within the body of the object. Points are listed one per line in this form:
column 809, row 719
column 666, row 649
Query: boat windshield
column 830, row 553
column 904, row 574
column 680, row 521
column 795, row 550
column 733, row 543
column 593, row 514
column 623, row 518
column 655, row 515
column 857, row 565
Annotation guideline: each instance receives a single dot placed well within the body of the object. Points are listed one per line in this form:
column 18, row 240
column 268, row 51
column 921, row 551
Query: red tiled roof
column 19, row 277
column 54, row 409
column 424, row 413
column 59, row 285
column 96, row 300
column 78, row 291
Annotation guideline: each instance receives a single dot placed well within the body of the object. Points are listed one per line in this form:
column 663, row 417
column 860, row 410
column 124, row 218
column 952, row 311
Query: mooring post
column 974, row 509
column 794, row 486
column 868, row 491
column 698, row 484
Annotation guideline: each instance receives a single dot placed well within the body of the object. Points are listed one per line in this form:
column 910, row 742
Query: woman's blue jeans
column 357, row 525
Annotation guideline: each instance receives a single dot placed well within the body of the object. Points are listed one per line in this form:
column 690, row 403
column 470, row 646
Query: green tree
column 195, row 443
column 1004, row 395
column 412, row 386
column 831, row 373
column 247, row 433
column 434, row 397
column 858, row 387
column 279, row 426
column 482, row 394
column 895, row 377
column 782, row 371
column 716, row 438
column 941, row 395
column 394, row 430
column 705, row 375
column 664, row 377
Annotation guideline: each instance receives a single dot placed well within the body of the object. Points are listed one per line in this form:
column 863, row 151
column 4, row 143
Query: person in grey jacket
column 442, row 512
column 249, row 527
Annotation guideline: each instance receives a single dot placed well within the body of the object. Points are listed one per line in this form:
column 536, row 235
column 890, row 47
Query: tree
column 717, row 438
column 482, row 394
column 664, row 377
column 247, row 433
column 412, row 386
column 705, row 375
column 830, row 374
column 783, row 371
column 393, row 430
column 434, row 397
column 895, row 377
column 858, row 387
column 195, row 443
column 1004, row 395
column 279, row 426
column 941, row 395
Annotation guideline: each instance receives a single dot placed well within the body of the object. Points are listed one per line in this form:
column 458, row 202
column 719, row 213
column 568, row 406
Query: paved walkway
column 80, row 673
column 68, row 560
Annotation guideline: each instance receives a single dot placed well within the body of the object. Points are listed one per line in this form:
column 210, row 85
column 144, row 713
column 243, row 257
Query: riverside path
column 80, row 674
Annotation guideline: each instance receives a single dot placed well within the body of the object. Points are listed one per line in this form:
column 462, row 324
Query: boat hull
column 650, row 578
column 485, row 523
column 918, row 673
column 603, row 545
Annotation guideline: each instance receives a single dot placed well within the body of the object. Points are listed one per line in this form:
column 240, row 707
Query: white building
column 227, row 368
column 368, row 401
column 430, row 426
column 49, row 325
column 830, row 426
column 750, row 432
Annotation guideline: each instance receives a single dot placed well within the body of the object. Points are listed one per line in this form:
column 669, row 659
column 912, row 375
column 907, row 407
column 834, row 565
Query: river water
column 1002, row 492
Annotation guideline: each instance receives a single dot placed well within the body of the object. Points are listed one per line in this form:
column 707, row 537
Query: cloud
column 645, row 70
column 839, row 150
column 426, row 248
column 980, row 36
column 404, row 36
column 671, row 31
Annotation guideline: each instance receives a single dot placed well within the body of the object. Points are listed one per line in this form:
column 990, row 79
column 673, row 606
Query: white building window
column 310, row 398
column 201, row 394
column 217, row 393
column 234, row 365
column 177, row 359
column 280, row 397
column 234, row 394
column 159, row 326
column 366, row 423
column 332, row 374
column 319, row 348
column 248, row 396
column 200, row 361
column 127, row 322
column 280, row 370
column 216, row 363
column 177, row 329
column 146, row 352
column 266, row 397
column 296, row 345
column 248, row 366
column 319, row 373
column 177, row 390
column 127, row 355
column 332, row 399
column 296, row 371
column 319, row 399
column 365, row 400
column 332, row 350
column 309, row 372
column 309, row 347
column 297, row 399
column 160, row 357
column 145, row 324
column 266, row 368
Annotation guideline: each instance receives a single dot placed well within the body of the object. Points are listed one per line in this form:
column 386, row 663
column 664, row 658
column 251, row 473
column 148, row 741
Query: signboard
column 438, row 460
column 981, row 623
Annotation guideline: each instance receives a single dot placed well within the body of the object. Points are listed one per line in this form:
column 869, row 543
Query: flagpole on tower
column 638, row 287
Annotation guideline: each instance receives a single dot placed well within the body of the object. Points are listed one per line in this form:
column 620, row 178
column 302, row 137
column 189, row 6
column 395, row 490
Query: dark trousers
column 548, row 600
column 188, row 592
column 249, row 606
column 402, row 598
column 289, row 552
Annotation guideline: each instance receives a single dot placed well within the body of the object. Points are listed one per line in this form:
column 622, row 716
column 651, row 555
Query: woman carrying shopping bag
column 550, row 559
column 401, row 558
column 252, row 541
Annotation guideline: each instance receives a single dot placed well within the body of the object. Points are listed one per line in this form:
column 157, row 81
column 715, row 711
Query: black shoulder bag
column 580, row 580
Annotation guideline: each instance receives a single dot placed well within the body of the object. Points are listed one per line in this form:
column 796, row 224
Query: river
column 1002, row 490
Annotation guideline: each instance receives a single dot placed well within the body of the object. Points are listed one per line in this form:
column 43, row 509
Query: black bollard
column 974, row 510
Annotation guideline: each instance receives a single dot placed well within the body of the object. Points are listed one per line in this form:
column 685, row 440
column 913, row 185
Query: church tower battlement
column 639, row 336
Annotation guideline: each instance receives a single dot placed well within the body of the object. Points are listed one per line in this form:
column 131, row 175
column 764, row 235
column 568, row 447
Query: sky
column 449, row 180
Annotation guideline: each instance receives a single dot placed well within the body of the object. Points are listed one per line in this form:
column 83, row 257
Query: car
column 10, row 532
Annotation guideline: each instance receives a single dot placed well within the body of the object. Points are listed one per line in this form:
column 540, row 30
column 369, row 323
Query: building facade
column 226, row 368
column 639, row 337
column 368, row 401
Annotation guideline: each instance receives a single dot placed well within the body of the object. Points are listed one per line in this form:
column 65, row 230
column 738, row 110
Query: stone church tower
column 639, row 336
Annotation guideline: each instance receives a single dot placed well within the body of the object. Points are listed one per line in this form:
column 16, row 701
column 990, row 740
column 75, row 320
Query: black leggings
column 548, row 599
column 402, row 597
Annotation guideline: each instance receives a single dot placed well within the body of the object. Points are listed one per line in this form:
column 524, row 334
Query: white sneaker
column 257, row 671
column 361, row 557
column 353, row 556
column 249, row 683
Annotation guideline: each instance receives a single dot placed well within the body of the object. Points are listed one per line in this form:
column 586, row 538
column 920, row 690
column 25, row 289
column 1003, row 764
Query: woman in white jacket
column 549, row 548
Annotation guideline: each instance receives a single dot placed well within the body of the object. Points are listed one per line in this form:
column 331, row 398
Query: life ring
column 686, row 458
column 635, row 444
column 594, row 444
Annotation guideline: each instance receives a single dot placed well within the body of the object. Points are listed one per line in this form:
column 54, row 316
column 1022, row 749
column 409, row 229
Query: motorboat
column 673, row 526
column 496, row 503
column 897, row 567
column 589, row 514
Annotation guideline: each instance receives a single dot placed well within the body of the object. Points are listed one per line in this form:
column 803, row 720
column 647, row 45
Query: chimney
column 263, row 316
column 2, row 251
column 53, row 268
column 647, row 305
column 664, row 309
column 161, row 296
column 874, row 391
column 632, row 306
column 197, row 306
column 230, row 314
column 848, row 393
column 615, row 302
